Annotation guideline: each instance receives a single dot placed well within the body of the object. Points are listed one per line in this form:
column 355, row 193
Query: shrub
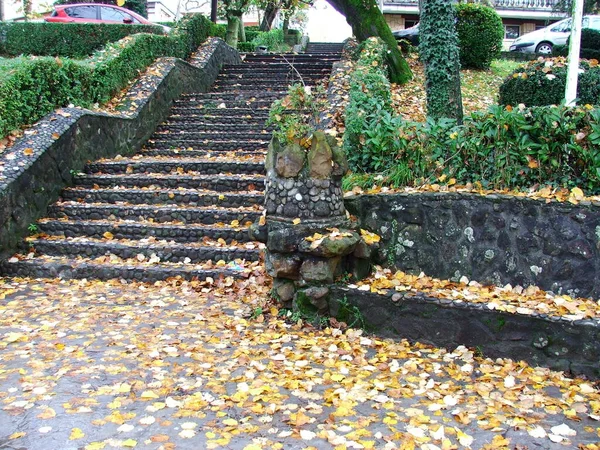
column 273, row 40
column 480, row 33
column 245, row 47
column 74, row 40
column 590, row 45
column 542, row 82
column 370, row 138
column 34, row 86
column 502, row 148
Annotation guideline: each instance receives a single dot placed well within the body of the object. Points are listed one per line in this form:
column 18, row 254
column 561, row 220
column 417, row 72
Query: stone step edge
column 550, row 341
column 79, row 270
column 99, row 248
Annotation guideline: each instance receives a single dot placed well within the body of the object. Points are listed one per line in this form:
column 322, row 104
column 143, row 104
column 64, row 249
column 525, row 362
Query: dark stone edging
column 550, row 341
column 493, row 239
column 35, row 170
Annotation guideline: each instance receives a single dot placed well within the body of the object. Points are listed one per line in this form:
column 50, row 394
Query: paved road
column 89, row 365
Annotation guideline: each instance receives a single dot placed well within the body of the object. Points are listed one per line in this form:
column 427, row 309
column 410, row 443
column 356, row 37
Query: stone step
column 274, row 77
column 138, row 230
column 177, row 165
column 191, row 197
column 230, row 111
column 217, row 121
column 72, row 268
column 219, row 183
column 197, row 124
column 279, row 68
column 171, row 252
column 300, row 58
column 214, row 136
column 197, row 153
column 157, row 213
column 252, row 87
column 249, row 97
column 169, row 142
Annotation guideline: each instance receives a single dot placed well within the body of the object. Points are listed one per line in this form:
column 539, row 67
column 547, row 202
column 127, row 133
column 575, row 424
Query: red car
column 96, row 13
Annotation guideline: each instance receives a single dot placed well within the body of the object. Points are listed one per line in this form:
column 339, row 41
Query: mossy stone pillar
column 306, row 228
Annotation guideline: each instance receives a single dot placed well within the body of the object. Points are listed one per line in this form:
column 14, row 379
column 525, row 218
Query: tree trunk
column 366, row 20
column 439, row 52
column 241, row 31
column 1, row 10
column 270, row 13
column 232, row 30
column 286, row 25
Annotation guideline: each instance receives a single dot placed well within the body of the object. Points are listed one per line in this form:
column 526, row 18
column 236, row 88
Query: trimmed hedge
column 542, row 82
column 590, row 45
column 36, row 85
column 480, row 35
column 74, row 40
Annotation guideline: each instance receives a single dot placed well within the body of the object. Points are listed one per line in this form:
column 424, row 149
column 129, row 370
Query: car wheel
column 544, row 48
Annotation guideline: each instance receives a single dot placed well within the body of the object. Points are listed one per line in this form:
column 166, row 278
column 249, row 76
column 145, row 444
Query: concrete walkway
column 195, row 365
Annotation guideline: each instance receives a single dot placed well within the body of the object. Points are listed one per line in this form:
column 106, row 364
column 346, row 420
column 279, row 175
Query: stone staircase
column 183, row 204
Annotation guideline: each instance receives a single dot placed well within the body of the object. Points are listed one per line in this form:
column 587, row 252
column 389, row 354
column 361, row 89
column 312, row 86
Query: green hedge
column 590, row 45
column 480, row 34
column 74, row 40
column 35, row 86
column 542, row 82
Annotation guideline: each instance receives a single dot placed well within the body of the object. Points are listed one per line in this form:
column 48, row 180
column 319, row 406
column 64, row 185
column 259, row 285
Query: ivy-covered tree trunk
column 241, row 31
column 233, row 28
column 270, row 13
column 440, row 54
column 366, row 20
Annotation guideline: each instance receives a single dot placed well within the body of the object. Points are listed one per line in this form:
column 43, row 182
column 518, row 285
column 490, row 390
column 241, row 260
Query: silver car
column 542, row 41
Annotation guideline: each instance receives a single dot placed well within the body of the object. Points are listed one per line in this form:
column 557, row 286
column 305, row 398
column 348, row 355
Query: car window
column 594, row 22
column 82, row 12
column 562, row 27
column 116, row 15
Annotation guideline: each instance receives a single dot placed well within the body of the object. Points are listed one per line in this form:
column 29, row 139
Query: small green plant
column 350, row 314
column 295, row 115
column 256, row 312
column 33, row 228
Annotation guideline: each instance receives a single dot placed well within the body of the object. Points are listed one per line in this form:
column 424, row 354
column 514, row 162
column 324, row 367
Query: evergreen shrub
column 480, row 34
column 542, row 82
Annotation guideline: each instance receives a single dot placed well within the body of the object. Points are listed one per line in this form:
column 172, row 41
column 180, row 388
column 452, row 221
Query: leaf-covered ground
column 479, row 89
column 180, row 365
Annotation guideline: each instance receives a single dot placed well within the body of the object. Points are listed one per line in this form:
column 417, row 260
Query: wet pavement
column 190, row 365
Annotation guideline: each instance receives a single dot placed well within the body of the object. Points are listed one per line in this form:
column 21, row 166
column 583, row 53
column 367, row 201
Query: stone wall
column 36, row 169
column 560, row 344
column 494, row 239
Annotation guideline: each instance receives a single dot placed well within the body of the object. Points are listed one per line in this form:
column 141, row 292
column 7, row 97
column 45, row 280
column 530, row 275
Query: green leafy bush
column 542, row 82
column 370, row 138
column 245, row 47
column 74, row 40
column 34, row 86
column 480, row 33
column 502, row 148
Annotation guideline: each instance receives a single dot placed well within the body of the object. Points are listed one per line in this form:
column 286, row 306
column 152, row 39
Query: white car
column 542, row 41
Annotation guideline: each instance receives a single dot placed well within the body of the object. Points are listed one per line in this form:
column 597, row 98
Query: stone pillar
column 308, row 235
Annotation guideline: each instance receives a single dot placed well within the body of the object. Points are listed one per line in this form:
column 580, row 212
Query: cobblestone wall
column 491, row 239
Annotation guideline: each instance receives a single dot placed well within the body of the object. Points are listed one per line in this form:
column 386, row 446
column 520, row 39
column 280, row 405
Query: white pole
column 573, row 61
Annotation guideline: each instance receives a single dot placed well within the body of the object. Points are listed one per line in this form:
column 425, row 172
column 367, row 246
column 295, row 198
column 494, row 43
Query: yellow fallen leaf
column 108, row 235
column 231, row 422
column 129, row 443
column 47, row 413
column 148, row 394
column 296, row 221
column 17, row 435
column 95, row 446
column 76, row 433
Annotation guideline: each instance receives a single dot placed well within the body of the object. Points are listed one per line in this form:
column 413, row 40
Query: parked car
column 410, row 34
column 542, row 41
column 97, row 13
